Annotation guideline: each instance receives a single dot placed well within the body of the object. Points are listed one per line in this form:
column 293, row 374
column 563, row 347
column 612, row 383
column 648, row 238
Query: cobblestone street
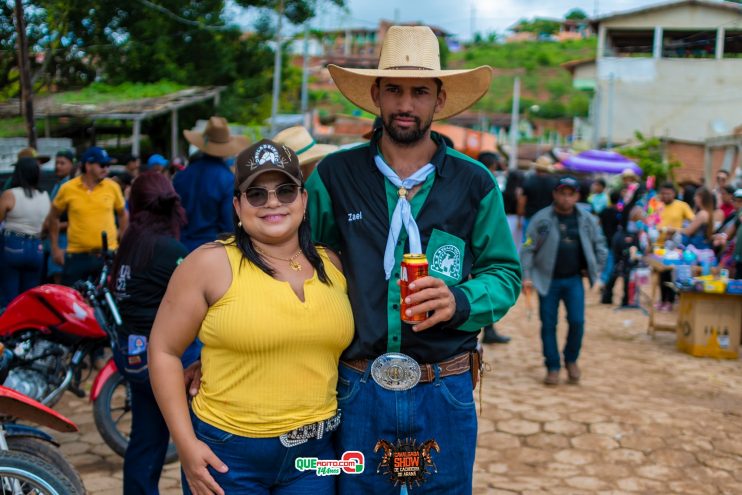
column 646, row 418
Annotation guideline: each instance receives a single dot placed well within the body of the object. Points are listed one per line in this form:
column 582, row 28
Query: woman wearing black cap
column 273, row 314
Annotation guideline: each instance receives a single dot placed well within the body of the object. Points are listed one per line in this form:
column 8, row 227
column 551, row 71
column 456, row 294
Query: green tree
column 576, row 14
column 539, row 26
column 648, row 154
column 117, row 41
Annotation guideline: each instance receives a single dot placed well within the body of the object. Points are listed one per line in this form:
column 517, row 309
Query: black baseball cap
column 265, row 156
column 570, row 182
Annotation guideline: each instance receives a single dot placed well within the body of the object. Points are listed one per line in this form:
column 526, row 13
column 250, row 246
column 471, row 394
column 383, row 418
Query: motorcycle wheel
column 112, row 414
column 48, row 452
column 22, row 473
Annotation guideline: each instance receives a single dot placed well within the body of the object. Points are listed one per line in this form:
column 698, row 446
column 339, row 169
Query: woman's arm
column 7, row 203
column 700, row 218
column 178, row 321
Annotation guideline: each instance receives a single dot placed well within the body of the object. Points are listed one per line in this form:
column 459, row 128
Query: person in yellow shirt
column 93, row 204
column 672, row 216
column 674, row 212
column 274, row 316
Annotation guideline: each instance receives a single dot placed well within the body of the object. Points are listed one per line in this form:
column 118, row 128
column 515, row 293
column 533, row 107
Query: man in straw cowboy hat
column 206, row 185
column 452, row 211
column 306, row 148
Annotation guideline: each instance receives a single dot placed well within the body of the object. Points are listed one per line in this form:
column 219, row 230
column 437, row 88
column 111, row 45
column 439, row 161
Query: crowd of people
column 268, row 276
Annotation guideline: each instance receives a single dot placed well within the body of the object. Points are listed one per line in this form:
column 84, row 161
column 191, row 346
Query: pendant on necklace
column 295, row 265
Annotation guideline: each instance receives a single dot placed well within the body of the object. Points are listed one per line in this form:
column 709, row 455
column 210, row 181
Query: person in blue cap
column 93, row 204
column 563, row 242
column 157, row 163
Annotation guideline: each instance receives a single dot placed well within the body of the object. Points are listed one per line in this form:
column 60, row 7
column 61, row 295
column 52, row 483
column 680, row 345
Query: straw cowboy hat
column 31, row 152
column 216, row 140
column 306, row 148
column 543, row 164
column 413, row 52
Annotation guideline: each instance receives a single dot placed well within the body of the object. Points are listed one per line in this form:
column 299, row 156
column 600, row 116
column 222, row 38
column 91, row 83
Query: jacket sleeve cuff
column 463, row 308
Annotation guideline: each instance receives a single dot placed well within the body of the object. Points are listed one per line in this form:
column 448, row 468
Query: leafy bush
column 648, row 155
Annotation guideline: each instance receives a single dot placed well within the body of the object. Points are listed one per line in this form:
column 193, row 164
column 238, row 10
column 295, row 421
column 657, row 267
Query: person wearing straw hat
column 452, row 210
column 306, row 148
column 205, row 187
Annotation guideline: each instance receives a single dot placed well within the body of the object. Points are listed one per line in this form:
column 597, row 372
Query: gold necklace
column 293, row 264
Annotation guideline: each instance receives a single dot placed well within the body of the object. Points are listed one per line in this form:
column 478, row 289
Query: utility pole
column 595, row 112
column 25, row 70
column 276, row 71
column 305, row 72
column 473, row 26
column 611, row 92
column 514, row 124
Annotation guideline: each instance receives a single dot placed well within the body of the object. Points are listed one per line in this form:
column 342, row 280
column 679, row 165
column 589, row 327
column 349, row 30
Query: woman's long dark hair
column 707, row 204
column 243, row 241
column 155, row 213
column 26, row 176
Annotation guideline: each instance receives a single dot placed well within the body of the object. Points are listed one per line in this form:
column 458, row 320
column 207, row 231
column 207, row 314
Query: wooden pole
column 25, row 70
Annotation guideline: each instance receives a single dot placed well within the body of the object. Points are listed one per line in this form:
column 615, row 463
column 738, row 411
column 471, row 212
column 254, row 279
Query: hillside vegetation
column 543, row 81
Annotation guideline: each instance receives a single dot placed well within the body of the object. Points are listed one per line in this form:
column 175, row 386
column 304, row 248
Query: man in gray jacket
column 563, row 242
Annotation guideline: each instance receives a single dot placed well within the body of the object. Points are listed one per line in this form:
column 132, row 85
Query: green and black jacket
column 464, row 234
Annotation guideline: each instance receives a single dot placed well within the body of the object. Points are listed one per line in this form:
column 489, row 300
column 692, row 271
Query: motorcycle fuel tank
column 51, row 306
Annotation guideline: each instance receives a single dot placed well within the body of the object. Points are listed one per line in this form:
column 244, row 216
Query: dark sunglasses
column 285, row 194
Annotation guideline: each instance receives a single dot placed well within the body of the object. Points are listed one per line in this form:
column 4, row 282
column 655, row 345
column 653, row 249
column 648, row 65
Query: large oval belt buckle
column 395, row 371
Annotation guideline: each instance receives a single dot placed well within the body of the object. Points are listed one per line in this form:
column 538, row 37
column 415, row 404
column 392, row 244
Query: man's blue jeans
column 442, row 410
column 263, row 466
column 572, row 292
column 23, row 260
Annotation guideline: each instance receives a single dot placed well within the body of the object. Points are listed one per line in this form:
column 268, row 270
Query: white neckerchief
column 402, row 213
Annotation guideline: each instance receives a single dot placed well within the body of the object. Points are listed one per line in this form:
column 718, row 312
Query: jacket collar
column 438, row 160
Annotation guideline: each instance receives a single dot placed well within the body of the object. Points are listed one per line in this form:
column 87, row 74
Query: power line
column 183, row 20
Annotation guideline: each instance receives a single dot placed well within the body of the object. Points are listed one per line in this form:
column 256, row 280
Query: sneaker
column 573, row 372
column 551, row 378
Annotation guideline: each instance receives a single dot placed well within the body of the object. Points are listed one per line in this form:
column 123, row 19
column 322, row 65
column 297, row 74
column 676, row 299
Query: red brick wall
column 691, row 156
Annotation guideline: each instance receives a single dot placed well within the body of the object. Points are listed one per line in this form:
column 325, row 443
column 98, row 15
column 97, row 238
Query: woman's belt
column 35, row 237
column 311, row 431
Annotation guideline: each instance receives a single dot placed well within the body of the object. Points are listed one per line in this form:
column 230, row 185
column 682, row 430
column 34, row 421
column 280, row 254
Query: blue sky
column 454, row 16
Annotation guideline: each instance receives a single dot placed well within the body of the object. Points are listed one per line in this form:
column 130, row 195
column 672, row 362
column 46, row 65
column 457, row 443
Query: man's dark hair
column 601, row 182
column 489, row 159
column 668, row 185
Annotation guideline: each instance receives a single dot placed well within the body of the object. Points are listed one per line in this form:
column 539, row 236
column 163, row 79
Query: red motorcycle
column 29, row 457
column 54, row 332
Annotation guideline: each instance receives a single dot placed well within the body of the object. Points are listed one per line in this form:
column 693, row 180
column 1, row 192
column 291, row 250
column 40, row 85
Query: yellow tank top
column 270, row 361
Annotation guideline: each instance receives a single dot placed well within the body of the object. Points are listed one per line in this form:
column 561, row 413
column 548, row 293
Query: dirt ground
column 645, row 419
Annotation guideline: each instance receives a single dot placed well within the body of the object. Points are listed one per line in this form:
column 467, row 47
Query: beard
column 406, row 137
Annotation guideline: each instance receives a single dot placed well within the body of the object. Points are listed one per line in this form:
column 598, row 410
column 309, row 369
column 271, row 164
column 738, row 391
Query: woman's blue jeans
column 263, row 466
column 23, row 261
column 572, row 292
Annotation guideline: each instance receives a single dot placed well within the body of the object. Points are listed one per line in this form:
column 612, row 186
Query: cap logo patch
column 267, row 154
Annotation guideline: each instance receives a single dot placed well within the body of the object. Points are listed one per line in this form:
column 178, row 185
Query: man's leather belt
column 454, row 366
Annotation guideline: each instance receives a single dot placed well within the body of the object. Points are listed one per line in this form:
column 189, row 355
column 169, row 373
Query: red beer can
column 414, row 266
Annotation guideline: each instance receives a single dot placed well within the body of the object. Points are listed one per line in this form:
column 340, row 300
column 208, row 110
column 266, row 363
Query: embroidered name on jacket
column 353, row 217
